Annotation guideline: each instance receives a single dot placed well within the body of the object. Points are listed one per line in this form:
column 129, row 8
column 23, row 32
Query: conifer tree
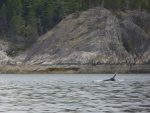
column 15, row 18
column 31, row 18
column 31, row 26
column 3, row 21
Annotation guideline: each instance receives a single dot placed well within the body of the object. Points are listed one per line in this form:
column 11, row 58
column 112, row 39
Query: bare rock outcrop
column 95, row 36
column 4, row 59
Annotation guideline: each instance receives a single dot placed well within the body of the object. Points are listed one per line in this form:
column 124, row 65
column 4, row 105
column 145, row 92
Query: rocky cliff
column 95, row 36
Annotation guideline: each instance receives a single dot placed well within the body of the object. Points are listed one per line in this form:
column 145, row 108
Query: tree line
column 30, row 19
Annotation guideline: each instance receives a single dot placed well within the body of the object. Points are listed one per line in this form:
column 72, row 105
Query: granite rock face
column 136, row 35
column 95, row 36
column 141, row 19
column 4, row 59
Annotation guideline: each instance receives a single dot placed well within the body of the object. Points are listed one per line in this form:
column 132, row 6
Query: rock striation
column 95, row 36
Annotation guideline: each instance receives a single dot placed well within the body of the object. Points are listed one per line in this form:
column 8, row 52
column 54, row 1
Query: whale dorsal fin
column 115, row 74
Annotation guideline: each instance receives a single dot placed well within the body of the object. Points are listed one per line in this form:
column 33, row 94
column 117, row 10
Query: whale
column 113, row 78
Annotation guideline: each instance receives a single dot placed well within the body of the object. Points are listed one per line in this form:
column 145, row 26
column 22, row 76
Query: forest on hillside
column 23, row 21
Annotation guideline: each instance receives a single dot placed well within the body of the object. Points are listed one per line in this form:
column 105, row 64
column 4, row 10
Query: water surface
column 74, row 93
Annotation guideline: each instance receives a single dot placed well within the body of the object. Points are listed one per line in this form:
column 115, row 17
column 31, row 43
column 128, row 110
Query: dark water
column 74, row 94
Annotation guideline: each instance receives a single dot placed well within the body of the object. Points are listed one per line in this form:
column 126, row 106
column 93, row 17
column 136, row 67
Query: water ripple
column 74, row 97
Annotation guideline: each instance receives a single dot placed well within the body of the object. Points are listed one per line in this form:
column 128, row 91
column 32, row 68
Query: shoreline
column 72, row 69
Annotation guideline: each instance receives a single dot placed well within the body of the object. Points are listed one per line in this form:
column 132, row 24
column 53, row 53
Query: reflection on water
column 74, row 94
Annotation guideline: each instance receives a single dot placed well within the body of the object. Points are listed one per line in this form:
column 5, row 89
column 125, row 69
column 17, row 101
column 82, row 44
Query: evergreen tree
column 16, row 22
column 31, row 26
column 3, row 21
column 2, row 2
column 31, row 18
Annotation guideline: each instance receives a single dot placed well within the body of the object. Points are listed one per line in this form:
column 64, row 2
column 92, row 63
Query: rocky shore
column 72, row 69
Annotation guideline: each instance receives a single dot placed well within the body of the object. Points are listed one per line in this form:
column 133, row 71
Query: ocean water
column 75, row 93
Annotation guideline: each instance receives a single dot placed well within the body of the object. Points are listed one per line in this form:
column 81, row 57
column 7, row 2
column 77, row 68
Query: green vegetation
column 26, row 20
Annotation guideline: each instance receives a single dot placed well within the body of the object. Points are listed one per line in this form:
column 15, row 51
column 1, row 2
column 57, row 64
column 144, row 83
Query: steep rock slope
column 94, row 36
column 136, row 35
